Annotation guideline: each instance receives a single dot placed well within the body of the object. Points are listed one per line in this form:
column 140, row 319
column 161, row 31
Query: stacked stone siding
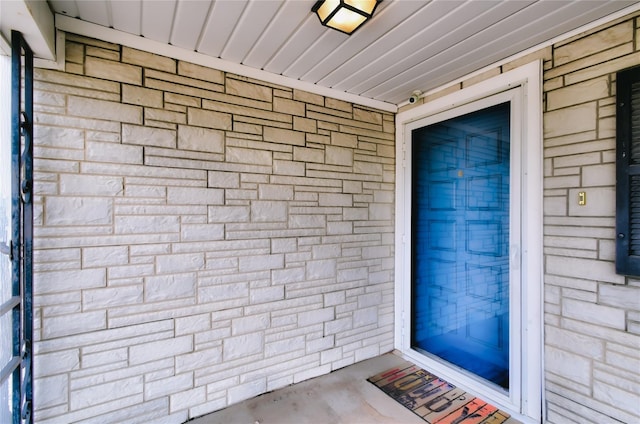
column 591, row 314
column 200, row 237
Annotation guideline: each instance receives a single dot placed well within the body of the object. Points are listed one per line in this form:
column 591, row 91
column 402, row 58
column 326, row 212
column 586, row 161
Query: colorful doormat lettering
column 435, row 400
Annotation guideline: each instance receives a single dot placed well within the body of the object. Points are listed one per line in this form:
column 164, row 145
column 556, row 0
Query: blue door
column 460, row 242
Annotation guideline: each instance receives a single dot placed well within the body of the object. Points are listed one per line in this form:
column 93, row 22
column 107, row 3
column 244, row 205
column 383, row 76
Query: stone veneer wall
column 200, row 237
column 592, row 315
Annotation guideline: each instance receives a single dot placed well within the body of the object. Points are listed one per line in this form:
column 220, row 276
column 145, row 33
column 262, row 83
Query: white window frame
column 524, row 89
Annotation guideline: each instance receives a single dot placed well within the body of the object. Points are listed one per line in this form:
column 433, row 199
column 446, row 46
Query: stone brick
column 622, row 399
column 101, row 109
column 114, row 153
column 321, row 269
column 626, row 297
column 311, row 373
column 168, row 287
column 50, row 364
column 344, row 106
column 275, row 192
column 218, row 179
column 338, row 156
column 305, row 96
column 582, row 117
column 594, row 43
column 104, row 52
column 303, row 154
column 69, row 138
column 222, row 292
column 279, row 135
column 283, row 167
column 51, row 391
column 159, row 349
column 250, row 324
column 148, row 136
column 148, row 60
column 228, row 214
column 261, row 262
column 111, row 297
column 366, row 316
column 104, row 256
column 315, row 317
column 73, row 324
column 593, row 313
column 194, row 196
column 198, row 360
column 268, row 211
column 200, row 139
column 78, row 211
column 91, row 185
column 168, row 386
column 589, row 347
column 244, row 345
column 583, row 268
column 68, row 280
column 200, row 72
column 187, row 399
column 344, row 140
column 335, row 199
column 209, row 119
column 598, row 175
column 180, row 262
column 568, row 365
column 248, row 156
column 305, row 124
column 578, row 93
column 114, row 71
column 266, row 294
column 247, row 390
column 146, row 224
column 141, row 96
column 367, row 352
column 201, row 232
column 281, row 347
column 246, row 89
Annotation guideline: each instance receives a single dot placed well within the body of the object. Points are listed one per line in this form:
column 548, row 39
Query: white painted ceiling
column 408, row 45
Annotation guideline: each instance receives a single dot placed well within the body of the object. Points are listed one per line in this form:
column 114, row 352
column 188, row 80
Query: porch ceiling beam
column 34, row 20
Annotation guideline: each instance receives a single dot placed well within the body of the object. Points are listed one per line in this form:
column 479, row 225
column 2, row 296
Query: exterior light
column 344, row 15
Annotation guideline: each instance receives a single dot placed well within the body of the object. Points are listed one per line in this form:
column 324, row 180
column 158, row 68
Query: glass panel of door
column 460, row 242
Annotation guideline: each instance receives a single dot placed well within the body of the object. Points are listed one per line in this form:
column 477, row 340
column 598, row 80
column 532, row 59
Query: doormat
column 435, row 400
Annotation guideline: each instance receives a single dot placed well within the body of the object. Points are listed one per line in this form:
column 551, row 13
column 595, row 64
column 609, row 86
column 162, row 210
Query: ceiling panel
column 98, row 11
column 129, row 19
column 286, row 21
column 188, row 23
column 255, row 18
column 394, row 46
column 315, row 53
column 385, row 19
column 299, row 42
column 408, row 45
column 157, row 19
column 221, row 24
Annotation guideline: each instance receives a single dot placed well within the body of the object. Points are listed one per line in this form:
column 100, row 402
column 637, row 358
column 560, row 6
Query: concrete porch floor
column 342, row 397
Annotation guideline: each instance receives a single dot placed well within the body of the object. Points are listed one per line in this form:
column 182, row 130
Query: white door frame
column 525, row 400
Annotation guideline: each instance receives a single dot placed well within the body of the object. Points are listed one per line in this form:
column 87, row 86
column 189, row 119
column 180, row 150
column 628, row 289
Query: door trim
column 525, row 401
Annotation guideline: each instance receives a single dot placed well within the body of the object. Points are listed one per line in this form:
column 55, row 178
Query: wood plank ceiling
column 408, row 45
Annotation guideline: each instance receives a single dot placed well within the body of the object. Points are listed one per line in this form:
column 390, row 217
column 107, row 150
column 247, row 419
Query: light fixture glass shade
column 344, row 15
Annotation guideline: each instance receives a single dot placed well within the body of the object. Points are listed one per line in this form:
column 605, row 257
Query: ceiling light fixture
column 344, row 15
